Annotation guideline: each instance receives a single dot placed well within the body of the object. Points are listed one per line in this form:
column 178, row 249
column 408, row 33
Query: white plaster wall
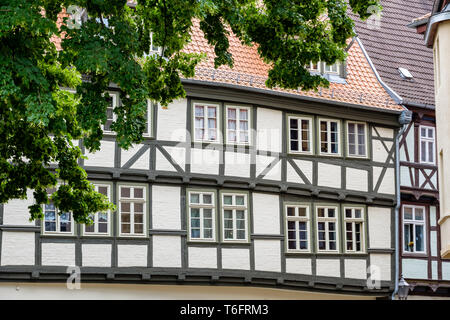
column 433, row 243
column 357, row 179
column 381, row 263
column 167, row 251
column 130, row 255
column 18, row 248
column 292, row 176
column 166, row 207
column 237, row 164
column 379, row 153
column 379, row 227
column 16, row 212
column 266, row 213
column 269, row 129
column 328, row 267
column 387, row 185
column 414, row 268
column 434, row 270
column 383, row 132
column 299, row 266
column 445, row 270
column 178, row 155
column 355, row 268
column 329, row 175
column 102, row 158
column 202, row 257
column 410, row 144
column 58, row 254
column 236, row 258
column 126, row 155
column 405, row 178
column 143, row 162
column 267, row 255
column 306, row 167
column 261, row 164
column 433, row 216
column 205, row 161
column 172, row 121
column 96, row 255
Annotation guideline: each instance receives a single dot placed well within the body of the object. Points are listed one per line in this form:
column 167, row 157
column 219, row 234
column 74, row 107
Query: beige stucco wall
column 442, row 83
column 30, row 291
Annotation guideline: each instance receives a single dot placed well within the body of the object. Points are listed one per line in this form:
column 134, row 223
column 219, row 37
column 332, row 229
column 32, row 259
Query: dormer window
column 333, row 68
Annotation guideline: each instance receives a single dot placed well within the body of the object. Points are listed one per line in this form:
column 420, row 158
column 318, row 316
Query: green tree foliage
column 39, row 119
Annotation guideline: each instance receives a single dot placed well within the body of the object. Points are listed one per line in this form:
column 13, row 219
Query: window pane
column 331, row 213
column 211, row 112
column 231, row 124
column 103, row 227
column 321, row 212
column 139, row 218
column 240, row 234
column 125, row 207
column 291, row 211
column 228, row 200
column 294, row 123
column 50, row 226
column 126, row 228
column 243, row 126
column 430, row 152
column 292, row 245
column 195, row 233
column 138, row 193
column 243, row 114
column 199, row 111
column 294, row 134
column 348, row 213
column 207, row 199
column 195, row 198
column 207, row 234
column 228, row 214
column 419, row 213
column 195, row 223
column 407, row 213
column 231, row 113
column 138, row 228
column 419, row 238
column 90, row 228
column 103, row 190
column 125, row 192
column 195, row 212
column 239, row 214
column 357, row 213
column 239, row 200
column 138, row 207
column 228, row 234
column 302, row 212
column 423, row 151
column 207, row 213
column 294, row 145
column 207, row 223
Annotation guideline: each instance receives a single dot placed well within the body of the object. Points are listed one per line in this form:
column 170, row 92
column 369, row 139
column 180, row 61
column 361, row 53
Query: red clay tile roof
column 362, row 87
column 395, row 45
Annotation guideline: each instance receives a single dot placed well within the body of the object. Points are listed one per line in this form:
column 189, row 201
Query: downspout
column 404, row 119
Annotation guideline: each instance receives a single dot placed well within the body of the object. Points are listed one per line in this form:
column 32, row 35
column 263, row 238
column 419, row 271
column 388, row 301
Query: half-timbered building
column 405, row 65
column 236, row 185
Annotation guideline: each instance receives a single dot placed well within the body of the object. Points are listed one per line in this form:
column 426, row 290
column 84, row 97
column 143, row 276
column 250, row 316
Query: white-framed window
column 314, row 67
column 327, row 229
column 132, row 210
column 300, row 134
column 297, row 228
column 234, row 217
column 414, row 229
column 357, row 139
column 329, row 133
column 238, row 124
column 206, row 121
column 333, row 68
column 427, row 144
column 101, row 225
column 112, row 99
column 56, row 222
column 354, row 229
column 202, row 216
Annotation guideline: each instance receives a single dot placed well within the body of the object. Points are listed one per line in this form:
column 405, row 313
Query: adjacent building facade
column 235, row 185
column 406, row 68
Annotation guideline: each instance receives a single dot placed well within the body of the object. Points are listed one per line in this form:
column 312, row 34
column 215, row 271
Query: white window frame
column 238, row 127
column 108, row 212
column 327, row 220
column 427, row 141
column 115, row 99
column 201, row 205
column 299, row 129
column 415, row 222
column 353, row 220
column 311, row 68
column 356, row 123
column 206, row 122
column 339, row 137
column 328, row 68
column 58, row 224
column 234, row 208
column 132, row 201
column 296, row 219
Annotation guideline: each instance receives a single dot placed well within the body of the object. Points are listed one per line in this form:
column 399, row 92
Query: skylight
column 405, row 74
